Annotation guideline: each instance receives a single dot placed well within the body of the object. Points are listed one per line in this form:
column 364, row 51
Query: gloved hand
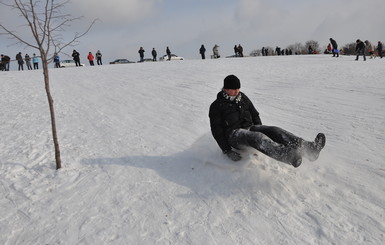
column 235, row 156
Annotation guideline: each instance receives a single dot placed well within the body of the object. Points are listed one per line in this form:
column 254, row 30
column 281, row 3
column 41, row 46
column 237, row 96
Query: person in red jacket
column 91, row 58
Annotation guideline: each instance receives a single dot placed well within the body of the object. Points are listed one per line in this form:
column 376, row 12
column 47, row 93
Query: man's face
column 232, row 92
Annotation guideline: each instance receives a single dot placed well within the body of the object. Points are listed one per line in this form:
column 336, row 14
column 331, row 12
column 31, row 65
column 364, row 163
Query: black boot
column 311, row 150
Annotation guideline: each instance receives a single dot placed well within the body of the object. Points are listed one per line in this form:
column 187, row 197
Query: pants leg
column 263, row 143
column 279, row 135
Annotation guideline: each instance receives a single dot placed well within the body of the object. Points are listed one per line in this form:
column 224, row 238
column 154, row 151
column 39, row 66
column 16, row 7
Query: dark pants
column 77, row 62
column 35, row 66
column 272, row 141
column 99, row 61
column 21, row 66
column 361, row 52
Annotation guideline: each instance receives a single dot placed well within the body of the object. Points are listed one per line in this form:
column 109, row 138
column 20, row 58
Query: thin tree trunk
column 52, row 112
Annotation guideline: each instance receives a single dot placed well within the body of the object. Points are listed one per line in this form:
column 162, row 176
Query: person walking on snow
column 235, row 124
column 168, row 52
column 20, row 61
column 141, row 54
column 216, row 52
column 5, row 59
column 98, row 57
column 28, row 61
column 334, row 47
column 154, row 54
column 76, row 57
column 240, row 50
column 370, row 48
column 56, row 60
column 379, row 49
column 202, row 51
column 91, row 58
column 35, row 62
column 360, row 49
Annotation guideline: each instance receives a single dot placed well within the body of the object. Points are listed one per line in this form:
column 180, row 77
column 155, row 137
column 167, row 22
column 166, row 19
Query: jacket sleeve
column 217, row 129
column 254, row 113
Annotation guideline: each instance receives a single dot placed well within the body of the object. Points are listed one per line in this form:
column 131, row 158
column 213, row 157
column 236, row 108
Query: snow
column 140, row 165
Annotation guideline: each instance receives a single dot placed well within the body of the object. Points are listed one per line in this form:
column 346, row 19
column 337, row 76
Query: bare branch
column 16, row 37
column 46, row 24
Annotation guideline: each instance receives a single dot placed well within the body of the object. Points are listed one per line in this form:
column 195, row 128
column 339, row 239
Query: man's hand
column 235, row 156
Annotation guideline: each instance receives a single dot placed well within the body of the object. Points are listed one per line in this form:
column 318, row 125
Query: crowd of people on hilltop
column 35, row 60
column 76, row 58
column 362, row 48
column 6, row 60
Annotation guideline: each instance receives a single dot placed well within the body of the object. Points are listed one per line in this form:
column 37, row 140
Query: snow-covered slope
column 140, row 165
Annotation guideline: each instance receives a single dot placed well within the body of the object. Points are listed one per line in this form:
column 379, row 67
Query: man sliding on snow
column 235, row 123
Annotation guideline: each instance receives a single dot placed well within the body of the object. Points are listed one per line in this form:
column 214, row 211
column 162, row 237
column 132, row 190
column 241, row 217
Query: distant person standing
column 35, row 61
column 370, row 48
column 310, row 49
column 202, row 51
column 91, row 58
column 5, row 59
column 278, row 50
column 56, row 60
column 168, row 52
column 76, row 57
column 28, row 61
column 240, row 50
column 334, row 47
column 360, row 49
column 141, row 54
column 154, row 54
column 99, row 57
column 236, row 50
column 20, row 61
column 379, row 48
column 216, row 52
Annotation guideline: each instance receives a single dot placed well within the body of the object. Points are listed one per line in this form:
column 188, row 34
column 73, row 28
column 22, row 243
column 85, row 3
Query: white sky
column 184, row 25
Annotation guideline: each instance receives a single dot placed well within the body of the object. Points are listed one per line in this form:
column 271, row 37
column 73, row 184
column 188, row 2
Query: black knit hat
column 231, row 82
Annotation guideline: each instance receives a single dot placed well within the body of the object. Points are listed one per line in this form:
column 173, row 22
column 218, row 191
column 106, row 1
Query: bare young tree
column 46, row 23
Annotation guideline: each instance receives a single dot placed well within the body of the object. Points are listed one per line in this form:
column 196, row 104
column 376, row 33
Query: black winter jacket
column 76, row 56
column 334, row 44
column 226, row 115
column 360, row 46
